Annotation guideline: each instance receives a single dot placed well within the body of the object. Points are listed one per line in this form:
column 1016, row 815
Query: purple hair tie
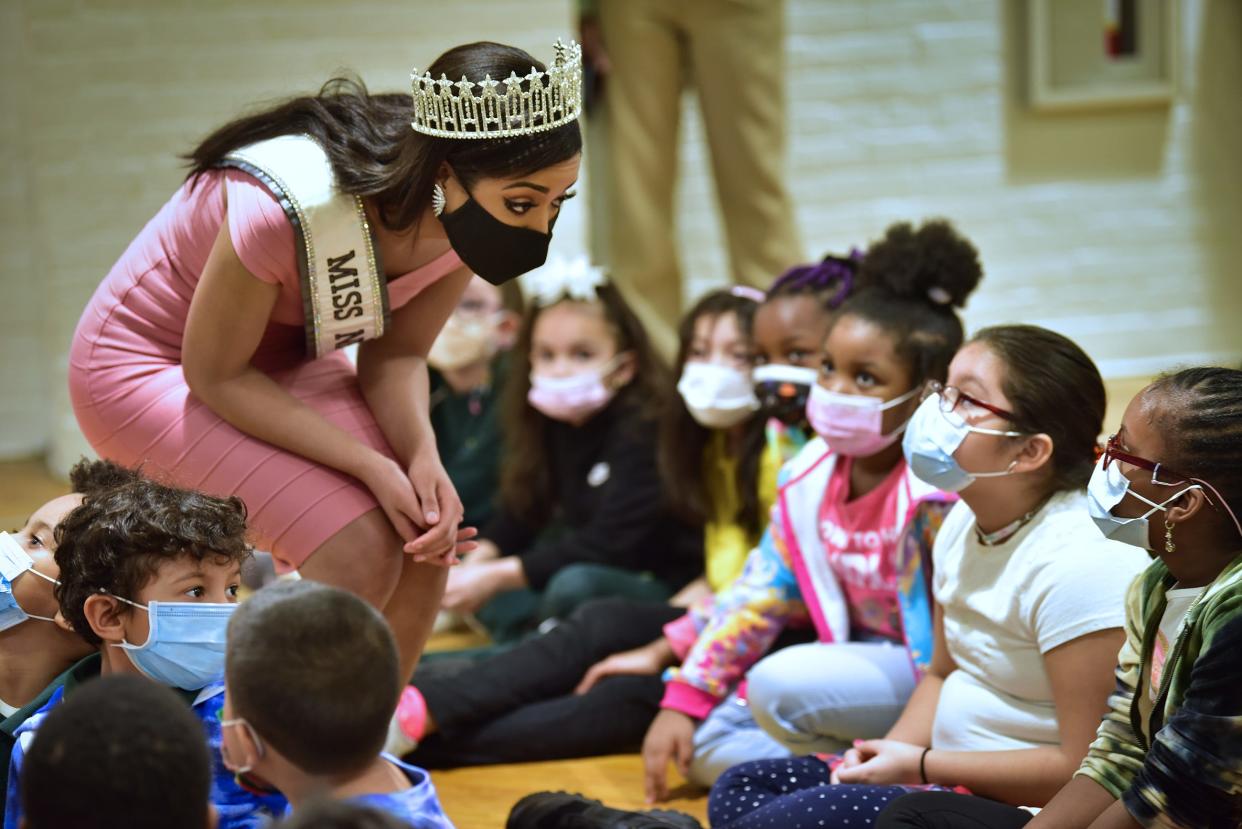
column 822, row 275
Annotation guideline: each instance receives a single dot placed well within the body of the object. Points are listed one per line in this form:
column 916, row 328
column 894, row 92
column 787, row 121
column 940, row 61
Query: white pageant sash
column 344, row 293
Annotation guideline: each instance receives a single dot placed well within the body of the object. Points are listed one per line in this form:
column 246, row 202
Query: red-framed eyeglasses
column 1113, row 453
column 951, row 397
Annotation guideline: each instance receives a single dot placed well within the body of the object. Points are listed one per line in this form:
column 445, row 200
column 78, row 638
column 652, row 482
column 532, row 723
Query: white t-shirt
column 7, row 710
column 1057, row 578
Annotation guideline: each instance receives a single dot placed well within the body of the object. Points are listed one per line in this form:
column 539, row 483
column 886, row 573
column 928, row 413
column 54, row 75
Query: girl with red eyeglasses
column 1169, row 750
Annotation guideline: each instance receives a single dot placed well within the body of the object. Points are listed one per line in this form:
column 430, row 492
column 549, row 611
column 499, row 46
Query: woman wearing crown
column 210, row 353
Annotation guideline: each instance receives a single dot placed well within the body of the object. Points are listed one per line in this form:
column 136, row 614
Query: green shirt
column 1177, row 762
column 467, row 430
column 84, row 669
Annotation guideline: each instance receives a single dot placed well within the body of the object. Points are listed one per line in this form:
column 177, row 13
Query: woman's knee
column 363, row 557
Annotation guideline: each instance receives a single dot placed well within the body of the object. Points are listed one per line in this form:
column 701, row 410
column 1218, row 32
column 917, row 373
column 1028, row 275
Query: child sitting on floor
column 31, row 655
column 468, row 362
column 312, row 681
column 149, row 575
column 37, row 647
column 583, row 513
column 123, row 752
column 849, row 536
column 1169, row 750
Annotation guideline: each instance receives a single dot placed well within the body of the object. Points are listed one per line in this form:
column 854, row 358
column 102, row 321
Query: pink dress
column 129, row 392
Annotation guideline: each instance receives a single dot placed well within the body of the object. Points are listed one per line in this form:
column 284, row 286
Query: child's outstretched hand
column 649, row 659
column 670, row 737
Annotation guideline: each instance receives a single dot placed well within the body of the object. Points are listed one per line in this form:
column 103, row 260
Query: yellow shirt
column 726, row 542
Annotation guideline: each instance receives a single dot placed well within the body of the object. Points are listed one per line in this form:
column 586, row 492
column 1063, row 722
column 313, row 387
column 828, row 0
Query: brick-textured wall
column 1120, row 229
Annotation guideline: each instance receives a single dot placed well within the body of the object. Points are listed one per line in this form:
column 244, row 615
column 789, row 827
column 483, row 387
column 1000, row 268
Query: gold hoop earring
column 1169, row 546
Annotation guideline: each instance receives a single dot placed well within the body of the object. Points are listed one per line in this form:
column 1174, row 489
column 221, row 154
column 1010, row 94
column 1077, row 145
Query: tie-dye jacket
column 787, row 580
column 1182, row 767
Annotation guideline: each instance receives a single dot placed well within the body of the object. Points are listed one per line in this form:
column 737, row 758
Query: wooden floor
column 477, row 798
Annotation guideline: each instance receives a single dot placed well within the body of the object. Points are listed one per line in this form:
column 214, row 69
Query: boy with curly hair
column 149, row 576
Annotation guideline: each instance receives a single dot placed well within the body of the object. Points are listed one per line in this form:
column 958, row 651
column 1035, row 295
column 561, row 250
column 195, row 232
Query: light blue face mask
column 185, row 646
column 15, row 562
column 932, row 436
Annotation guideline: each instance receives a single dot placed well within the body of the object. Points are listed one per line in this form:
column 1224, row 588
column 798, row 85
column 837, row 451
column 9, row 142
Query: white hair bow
column 562, row 278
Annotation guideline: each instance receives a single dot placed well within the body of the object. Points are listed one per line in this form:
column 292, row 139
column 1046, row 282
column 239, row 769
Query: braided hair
column 831, row 279
column 1203, row 427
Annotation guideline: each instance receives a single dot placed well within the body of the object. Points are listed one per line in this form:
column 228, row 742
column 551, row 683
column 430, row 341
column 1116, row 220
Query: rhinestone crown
column 537, row 102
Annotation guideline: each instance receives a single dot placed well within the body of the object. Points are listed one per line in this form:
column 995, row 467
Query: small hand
column 852, row 757
column 883, row 762
column 670, row 737
column 469, row 587
column 649, row 659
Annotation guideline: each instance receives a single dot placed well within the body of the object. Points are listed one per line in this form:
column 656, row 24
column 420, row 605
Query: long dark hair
column 372, row 148
column 525, row 483
column 683, row 440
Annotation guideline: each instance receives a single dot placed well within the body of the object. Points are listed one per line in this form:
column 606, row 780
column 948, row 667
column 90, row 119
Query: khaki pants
column 732, row 52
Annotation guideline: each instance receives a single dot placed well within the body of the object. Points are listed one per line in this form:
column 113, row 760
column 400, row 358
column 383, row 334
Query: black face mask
column 783, row 390
column 494, row 250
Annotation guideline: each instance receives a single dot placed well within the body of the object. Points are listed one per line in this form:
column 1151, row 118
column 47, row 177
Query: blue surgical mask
column 1106, row 489
column 185, row 646
column 932, row 436
column 15, row 562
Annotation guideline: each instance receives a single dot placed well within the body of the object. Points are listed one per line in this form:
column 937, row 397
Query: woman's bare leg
column 365, row 558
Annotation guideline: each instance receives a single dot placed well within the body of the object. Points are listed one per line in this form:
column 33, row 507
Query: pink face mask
column 575, row 398
column 851, row 423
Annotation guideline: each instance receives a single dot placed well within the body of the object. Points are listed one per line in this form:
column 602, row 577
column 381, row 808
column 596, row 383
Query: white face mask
column 463, row 341
column 1106, row 489
column 717, row 396
column 15, row 562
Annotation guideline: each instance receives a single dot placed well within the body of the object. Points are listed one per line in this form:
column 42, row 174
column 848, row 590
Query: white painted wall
column 1119, row 229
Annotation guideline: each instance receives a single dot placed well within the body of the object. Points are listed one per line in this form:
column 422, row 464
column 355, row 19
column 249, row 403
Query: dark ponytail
column 372, row 148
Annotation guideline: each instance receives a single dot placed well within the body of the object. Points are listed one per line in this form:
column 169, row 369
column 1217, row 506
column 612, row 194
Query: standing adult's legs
column 642, row 96
column 737, row 61
column 365, row 558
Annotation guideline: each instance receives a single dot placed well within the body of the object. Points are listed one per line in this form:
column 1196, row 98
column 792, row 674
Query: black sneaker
column 561, row 810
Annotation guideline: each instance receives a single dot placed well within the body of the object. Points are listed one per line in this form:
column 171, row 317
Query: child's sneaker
column 407, row 724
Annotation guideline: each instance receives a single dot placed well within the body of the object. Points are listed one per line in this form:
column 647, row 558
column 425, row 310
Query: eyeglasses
column 951, row 397
column 1113, row 453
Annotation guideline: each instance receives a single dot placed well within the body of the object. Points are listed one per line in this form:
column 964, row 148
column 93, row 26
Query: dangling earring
column 437, row 199
column 1169, row 546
